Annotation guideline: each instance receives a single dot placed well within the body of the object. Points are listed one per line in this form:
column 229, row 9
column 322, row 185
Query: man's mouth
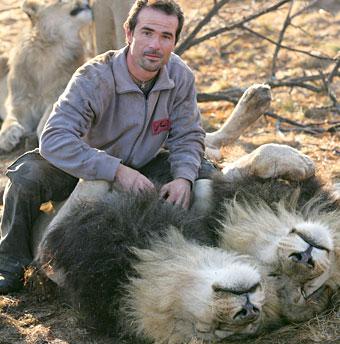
column 152, row 56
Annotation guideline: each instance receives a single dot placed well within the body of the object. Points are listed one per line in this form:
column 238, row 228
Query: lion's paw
column 10, row 137
column 271, row 161
column 274, row 160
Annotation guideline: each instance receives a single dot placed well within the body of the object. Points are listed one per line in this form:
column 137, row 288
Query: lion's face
column 189, row 291
column 306, row 255
column 233, row 304
column 59, row 18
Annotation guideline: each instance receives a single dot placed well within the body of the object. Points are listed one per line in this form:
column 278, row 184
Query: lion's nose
column 248, row 312
column 304, row 257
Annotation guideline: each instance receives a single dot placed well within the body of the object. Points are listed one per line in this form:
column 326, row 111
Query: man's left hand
column 177, row 192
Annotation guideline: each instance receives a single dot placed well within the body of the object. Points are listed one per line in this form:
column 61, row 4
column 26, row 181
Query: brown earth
column 235, row 59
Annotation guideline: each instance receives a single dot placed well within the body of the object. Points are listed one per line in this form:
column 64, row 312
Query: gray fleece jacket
column 103, row 119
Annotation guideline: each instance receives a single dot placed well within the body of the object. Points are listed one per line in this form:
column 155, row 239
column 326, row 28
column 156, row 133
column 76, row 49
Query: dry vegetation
column 238, row 59
column 234, row 59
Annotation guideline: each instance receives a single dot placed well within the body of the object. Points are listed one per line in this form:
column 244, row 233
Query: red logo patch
column 160, row 125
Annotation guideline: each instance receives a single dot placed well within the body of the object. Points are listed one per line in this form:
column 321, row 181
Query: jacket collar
column 124, row 82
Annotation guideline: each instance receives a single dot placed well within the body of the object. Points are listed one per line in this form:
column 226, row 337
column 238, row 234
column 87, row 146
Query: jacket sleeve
column 62, row 143
column 186, row 137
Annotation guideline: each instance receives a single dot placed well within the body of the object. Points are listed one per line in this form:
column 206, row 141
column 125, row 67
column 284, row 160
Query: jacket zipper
column 139, row 135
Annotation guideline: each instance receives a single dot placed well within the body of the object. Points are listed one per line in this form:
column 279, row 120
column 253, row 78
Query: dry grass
column 34, row 318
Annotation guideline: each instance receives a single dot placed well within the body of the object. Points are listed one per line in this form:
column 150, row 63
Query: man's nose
column 155, row 42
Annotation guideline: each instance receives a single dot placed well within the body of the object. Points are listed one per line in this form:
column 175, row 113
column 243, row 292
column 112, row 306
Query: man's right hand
column 131, row 180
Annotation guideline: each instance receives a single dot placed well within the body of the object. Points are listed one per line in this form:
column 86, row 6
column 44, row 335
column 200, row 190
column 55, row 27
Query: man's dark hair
column 170, row 7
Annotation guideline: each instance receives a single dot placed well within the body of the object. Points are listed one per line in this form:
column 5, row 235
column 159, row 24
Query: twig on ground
column 310, row 128
column 294, row 83
column 232, row 95
column 314, row 77
column 312, row 131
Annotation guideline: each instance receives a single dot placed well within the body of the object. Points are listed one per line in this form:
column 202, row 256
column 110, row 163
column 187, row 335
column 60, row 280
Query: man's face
column 152, row 40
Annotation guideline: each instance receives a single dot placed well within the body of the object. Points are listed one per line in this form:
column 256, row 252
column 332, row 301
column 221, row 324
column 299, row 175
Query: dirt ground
column 233, row 60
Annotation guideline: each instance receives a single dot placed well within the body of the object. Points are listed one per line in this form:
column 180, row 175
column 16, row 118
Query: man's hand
column 177, row 192
column 131, row 180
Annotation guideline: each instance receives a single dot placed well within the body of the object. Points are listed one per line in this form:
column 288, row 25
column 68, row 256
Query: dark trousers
column 34, row 181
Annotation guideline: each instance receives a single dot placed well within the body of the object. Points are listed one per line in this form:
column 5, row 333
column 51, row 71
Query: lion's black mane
column 92, row 245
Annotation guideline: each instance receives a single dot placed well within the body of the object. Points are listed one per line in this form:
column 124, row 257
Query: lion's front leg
column 10, row 134
column 43, row 120
column 254, row 102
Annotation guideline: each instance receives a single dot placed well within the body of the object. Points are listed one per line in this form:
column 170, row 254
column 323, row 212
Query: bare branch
column 232, row 95
column 286, row 24
column 320, row 57
column 334, row 72
column 315, row 77
column 310, row 128
column 301, row 29
column 190, row 43
column 279, row 41
column 312, row 131
column 283, row 119
column 217, row 6
column 295, row 83
column 328, row 88
column 304, row 9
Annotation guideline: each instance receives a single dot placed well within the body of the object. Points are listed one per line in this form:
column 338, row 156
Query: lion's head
column 306, row 254
column 296, row 245
column 58, row 18
column 185, row 291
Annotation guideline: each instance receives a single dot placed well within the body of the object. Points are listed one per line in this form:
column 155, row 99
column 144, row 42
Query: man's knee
column 31, row 173
column 27, row 172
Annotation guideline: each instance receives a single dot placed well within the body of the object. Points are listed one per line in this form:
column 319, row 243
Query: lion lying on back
column 130, row 272
column 41, row 65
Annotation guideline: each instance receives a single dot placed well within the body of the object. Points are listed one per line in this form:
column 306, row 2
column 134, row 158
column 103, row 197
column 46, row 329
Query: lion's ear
column 30, row 7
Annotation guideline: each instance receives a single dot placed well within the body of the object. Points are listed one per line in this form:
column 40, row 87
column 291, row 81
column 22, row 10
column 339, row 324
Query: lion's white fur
column 273, row 237
column 41, row 65
column 3, row 84
column 173, row 299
